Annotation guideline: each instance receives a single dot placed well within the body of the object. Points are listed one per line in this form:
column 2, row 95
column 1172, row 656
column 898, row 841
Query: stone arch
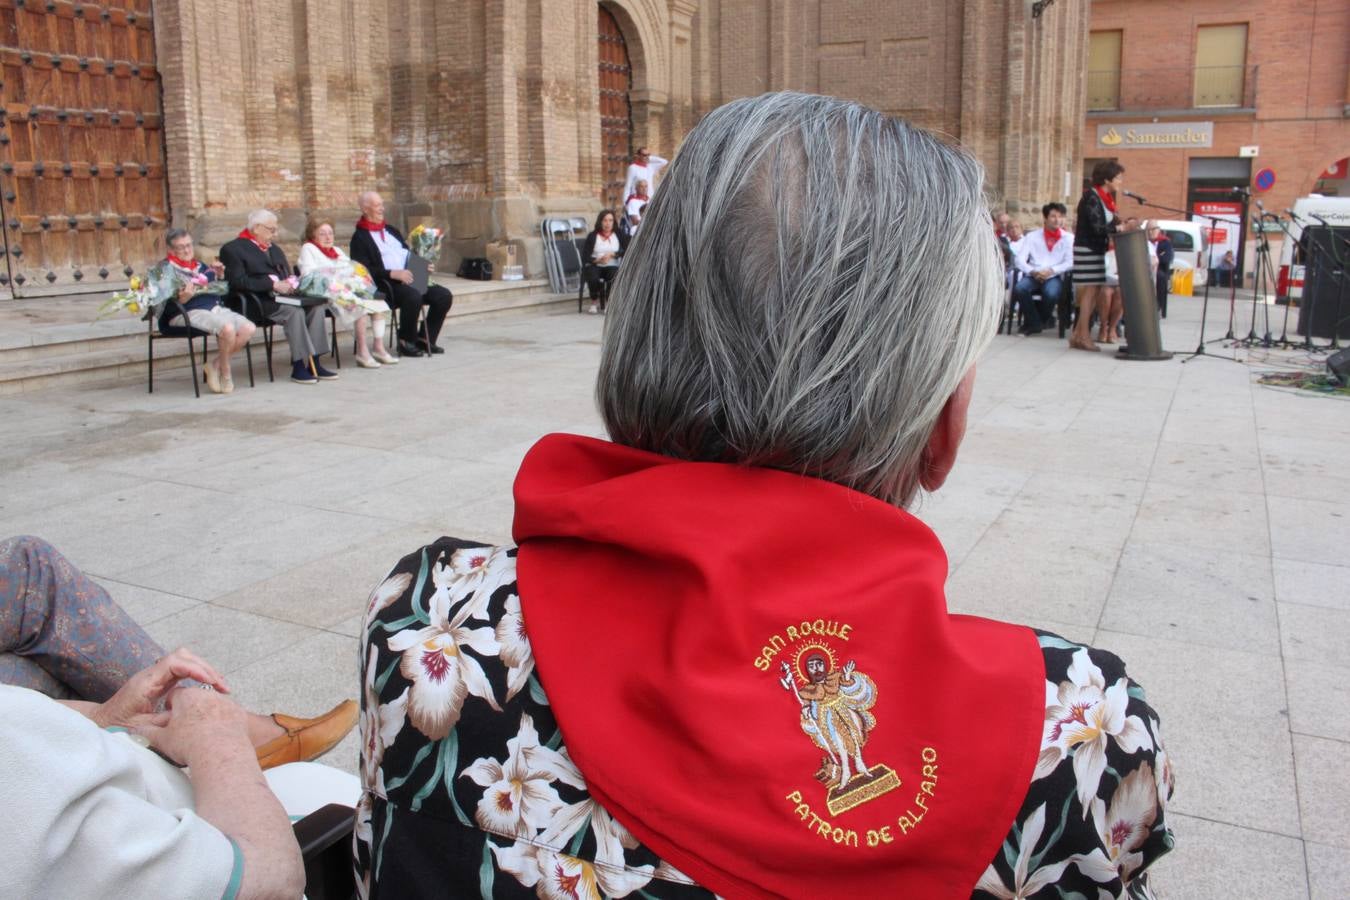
column 644, row 26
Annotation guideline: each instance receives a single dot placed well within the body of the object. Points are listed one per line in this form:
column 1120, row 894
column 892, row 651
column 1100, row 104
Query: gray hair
column 174, row 234
column 261, row 217
column 811, row 285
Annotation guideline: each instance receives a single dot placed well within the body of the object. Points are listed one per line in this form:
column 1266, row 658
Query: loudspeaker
column 1326, row 285
column 1338, row 364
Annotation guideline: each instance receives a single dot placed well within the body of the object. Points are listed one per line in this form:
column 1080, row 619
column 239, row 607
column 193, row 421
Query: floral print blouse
column 468, row 790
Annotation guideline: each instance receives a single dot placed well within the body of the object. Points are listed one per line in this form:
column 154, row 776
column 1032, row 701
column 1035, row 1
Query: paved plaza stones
column 1181, row 515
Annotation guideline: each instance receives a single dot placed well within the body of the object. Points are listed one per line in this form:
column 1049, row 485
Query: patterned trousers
column 60, row 633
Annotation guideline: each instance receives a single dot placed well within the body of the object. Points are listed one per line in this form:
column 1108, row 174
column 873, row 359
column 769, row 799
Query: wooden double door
column 83, row 197
column 616, row 115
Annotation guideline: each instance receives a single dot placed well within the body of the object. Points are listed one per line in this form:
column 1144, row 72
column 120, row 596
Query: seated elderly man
column 204, row 311
column 380, row 247
column 256, row 265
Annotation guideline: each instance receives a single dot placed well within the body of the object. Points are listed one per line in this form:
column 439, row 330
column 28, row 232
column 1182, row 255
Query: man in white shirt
column 643, row 168
column 1042, row 259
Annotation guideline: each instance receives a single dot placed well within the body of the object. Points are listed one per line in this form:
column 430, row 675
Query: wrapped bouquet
column 160, row 282
column 346, row 286
column 426, row 242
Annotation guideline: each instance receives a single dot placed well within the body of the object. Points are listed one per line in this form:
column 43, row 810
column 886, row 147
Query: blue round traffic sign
column 1265, row 179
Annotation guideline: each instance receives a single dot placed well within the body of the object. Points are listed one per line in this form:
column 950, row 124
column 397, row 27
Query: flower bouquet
column 160, row 282
column 426, row 242
column 345, row 288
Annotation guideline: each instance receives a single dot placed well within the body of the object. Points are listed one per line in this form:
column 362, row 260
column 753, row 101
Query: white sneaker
column 594, row 309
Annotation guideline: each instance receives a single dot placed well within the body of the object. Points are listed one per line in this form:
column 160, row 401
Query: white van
column 1188, row 242
column 1336, row 210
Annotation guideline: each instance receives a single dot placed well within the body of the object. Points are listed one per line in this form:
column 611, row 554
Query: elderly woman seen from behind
column 320, row 255
column 718, row 658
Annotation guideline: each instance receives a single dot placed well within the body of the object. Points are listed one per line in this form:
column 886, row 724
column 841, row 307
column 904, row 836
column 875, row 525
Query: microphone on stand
column 1134, row 196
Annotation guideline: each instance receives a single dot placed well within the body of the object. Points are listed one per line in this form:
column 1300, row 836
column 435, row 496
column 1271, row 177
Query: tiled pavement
column 1194, row 522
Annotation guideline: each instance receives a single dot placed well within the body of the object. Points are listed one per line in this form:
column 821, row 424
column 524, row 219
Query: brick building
column 479, row 114
column 1197, row 98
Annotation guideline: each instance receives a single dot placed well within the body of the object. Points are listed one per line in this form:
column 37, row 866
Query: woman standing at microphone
column 1096, row 221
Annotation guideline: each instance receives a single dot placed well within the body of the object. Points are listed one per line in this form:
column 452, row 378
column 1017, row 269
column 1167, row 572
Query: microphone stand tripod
column 1265, row 277
column 1204, row 306
column 1284, row 341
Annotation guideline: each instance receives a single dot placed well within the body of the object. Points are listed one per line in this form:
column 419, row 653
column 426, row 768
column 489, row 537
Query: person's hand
column 219, row 268
column 142, row 693
column 199, row 721
column 281, row 286
column 185, row 292
column 402, row 275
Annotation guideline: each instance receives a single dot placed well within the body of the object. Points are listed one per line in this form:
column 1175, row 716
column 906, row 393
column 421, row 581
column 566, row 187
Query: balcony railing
column 1153, row 90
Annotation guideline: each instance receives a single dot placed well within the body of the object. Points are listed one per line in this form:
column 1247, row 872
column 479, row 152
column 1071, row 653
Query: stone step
column 81, row 353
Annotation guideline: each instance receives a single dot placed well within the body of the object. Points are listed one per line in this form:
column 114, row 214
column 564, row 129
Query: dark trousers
column 409, row 303
column 1164, row 281
column 1050, row 289
column 598, row 276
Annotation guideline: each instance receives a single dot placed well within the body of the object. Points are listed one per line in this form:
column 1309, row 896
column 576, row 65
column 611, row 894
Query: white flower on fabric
column 516, row 652
column 1125, row 824
column 1080, row 718
column 1166, row 776
column 557, row 876
column 363, row 833
column 1025, row 884
column 442, row 675
column 478, row 571
column 380, row 724
column 385, row 593
column 520, row 798
column 611, row 837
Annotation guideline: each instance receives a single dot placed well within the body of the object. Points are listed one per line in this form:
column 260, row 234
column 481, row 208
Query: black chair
column 173, row 332
column 332, row 336
column 325, row 843
column 386, row 292
column 1063, row 309
column 250, row 305
column 603, row 299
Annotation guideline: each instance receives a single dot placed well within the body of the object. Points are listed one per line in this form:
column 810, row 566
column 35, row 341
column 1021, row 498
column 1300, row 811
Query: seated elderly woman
column 718, row 659
column 256, row 266
column 351, row 292
column 204, row 311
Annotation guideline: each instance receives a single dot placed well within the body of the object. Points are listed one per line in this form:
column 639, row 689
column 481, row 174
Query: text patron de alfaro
column 1117, row 136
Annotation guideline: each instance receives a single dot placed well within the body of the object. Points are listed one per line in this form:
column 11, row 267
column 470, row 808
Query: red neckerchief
column 368, row 225
column 330, row 252
column 1052, row 237
column 1106, row 196
column 248, row 236
column 692, row 584
column 605, row 234
column 632, row 197
column 190, row 266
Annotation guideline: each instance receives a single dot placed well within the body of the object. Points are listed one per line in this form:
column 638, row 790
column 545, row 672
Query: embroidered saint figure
column 835, row 713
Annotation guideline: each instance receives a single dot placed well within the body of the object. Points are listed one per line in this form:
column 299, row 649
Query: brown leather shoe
column 307, row 739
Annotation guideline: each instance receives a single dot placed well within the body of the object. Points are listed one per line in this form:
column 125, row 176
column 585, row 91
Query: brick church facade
column 484, row 115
